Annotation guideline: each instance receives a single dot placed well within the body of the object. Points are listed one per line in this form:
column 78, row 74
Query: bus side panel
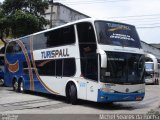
column 13, row 68
column 40, row 85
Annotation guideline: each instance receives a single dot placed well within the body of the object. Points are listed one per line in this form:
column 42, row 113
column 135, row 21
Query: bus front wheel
column 157, row 82
column 72, row 94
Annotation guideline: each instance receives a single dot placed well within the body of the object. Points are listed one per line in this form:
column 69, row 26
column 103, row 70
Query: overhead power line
column 148, row 27
column 90, row 2
column 149, row 24
column 136, row 16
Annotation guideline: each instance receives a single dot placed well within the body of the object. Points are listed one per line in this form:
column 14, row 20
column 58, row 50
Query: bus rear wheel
column 1, row 82
column 157, row 82
column 72, row 94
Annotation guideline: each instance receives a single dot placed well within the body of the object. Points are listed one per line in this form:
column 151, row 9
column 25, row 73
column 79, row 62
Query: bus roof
column 148, row 62
column 71, row 23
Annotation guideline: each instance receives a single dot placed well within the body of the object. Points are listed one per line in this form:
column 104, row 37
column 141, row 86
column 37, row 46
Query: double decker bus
column 152, row 68
column 94, row 60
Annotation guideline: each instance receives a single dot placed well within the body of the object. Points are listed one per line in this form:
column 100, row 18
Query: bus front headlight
column 141, row 91
column 107, row 90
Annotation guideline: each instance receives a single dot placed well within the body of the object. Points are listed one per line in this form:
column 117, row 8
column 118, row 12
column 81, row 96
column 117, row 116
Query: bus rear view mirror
column 103, row 56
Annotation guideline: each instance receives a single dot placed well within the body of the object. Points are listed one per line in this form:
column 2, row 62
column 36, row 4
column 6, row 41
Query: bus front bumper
column 119, row 97
column 149, row 81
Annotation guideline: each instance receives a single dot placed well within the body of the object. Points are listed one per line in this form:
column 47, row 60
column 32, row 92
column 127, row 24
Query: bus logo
column 127, row 90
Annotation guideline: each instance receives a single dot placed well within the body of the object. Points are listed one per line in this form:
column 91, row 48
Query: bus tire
column 67, row 94
column 15, row 85
column 157, row 82
column 1, row 82
column 72, row 94
column 21, row 86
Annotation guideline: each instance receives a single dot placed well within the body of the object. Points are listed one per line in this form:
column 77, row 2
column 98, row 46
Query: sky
column 144, row 14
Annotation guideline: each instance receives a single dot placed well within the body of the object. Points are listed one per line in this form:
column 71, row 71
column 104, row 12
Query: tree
column 4, row 25
column 25, row 23
column 35, row 7
column 24, row 16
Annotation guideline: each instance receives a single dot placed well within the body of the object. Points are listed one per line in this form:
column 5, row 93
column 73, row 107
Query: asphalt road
column 35, row 103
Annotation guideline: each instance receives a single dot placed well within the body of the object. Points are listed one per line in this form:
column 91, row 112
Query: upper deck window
column 13, row 47
column 117, row 34
column 54, row 38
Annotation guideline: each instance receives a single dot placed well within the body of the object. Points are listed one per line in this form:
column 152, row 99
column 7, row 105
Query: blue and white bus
column 90, row 59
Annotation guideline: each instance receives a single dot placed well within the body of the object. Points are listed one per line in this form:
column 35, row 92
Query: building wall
column 62, row 14
column 150, row 49
column 67, row 15
column 54, row 15
column 156, row 45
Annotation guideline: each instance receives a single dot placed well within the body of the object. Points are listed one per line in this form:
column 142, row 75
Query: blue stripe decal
column 118, row 97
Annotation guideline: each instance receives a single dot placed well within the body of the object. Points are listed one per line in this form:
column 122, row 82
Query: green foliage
column 4, row 25
column 25, row 23
column 22, row 17
column 35, row 7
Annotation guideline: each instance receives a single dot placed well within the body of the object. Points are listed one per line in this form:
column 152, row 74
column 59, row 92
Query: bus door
column 88, row 58
column 91, row 74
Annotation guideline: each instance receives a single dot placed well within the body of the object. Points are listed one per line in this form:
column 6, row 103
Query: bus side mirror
column 103, row 56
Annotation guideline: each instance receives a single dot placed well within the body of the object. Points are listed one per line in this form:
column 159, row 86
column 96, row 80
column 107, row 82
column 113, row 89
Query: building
column 150, row 49
column 156, row 45
column 62, row 14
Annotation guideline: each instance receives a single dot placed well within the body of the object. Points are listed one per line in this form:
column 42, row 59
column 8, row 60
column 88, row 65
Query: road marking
column 32, row 104
column 150, row 100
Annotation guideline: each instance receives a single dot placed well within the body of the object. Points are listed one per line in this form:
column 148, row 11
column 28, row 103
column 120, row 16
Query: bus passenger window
column 13, row 47
column 61, row 36
column 86, row 36
column 39, row 41
column 26, row 42
column 69, row 67
column 90, row 68
column 87, row 47
column 59, row 67
column 46, row 67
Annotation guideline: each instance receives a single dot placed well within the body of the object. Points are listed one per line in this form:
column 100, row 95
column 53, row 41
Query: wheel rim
column 21, row 87
column 16, row 85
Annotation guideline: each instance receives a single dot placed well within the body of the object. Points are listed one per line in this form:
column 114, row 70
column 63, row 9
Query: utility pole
column 51, row 15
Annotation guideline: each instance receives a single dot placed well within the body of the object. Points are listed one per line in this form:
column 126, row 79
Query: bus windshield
column 123, row 68
column 117, row 34
column 149, row 67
